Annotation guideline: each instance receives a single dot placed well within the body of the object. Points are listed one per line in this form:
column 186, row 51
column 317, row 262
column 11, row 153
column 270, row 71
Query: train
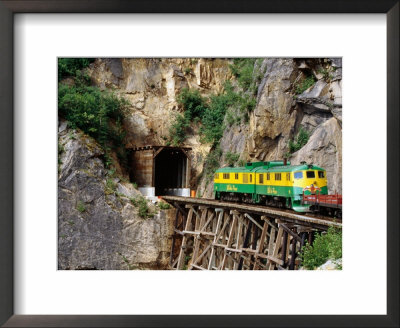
column 302, row 188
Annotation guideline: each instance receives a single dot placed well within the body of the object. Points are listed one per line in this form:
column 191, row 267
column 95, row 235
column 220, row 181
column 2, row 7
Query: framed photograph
column 191, row 88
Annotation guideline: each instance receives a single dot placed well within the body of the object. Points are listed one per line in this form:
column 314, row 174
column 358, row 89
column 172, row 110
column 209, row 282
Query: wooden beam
column 261, row 243
column 276, row 247
column 181, row 258
column 252, row 220
column 229, row 240
column 157, row 152
column 210, row 262
column 290, row 232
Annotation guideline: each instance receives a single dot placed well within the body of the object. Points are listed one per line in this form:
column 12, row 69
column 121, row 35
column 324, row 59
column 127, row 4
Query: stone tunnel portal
column 170, row 171
column 161, row 170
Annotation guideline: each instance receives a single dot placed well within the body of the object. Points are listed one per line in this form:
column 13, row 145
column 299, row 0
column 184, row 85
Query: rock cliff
column 282, row 110
column 98, row 225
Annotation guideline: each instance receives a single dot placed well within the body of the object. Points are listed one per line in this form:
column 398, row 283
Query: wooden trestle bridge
column 214, row 235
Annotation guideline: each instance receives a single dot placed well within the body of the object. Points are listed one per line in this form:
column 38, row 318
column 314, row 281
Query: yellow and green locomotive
column 275, row 183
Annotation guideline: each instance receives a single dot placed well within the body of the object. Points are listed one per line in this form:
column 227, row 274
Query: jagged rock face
column 280, row 113
column 273, row 114
column 324, row 148
column 99, row 228
column 151, row 85
column 321, row 109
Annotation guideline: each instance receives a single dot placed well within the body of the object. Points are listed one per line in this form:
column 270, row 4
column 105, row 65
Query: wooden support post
column 254, row 245
column 181, row 258
column 310, row 238
column 276, row 248
column 293, row 254
column 284, row 246
column 260, row 245
column 271, row 241
column 199, row 223
column 245, row 243
column 229, row 241
column 238, row 240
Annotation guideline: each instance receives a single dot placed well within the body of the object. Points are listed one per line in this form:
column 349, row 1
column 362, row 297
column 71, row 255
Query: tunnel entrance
column 170, row 171
column 161, row 170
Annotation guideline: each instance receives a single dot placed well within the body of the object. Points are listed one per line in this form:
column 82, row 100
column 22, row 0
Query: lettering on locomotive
column 231, row 188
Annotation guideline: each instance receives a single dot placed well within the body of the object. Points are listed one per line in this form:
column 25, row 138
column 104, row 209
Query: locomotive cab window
column 310, row 174
column 288, row 176
column 245, row 178
column 236, row 176
column 251, row 177
column 226, row 176
column 261, row 178
column 268, row 176
column 298, row 175
column 216, row 176
column 321, row 174
column 278, row 176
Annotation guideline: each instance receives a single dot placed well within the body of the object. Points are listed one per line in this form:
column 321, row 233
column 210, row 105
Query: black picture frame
column 10, row 7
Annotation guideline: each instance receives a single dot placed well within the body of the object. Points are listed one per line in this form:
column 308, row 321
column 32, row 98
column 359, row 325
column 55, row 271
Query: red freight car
column 325, row 204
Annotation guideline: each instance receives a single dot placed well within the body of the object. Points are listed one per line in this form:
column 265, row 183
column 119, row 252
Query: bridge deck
column 286, row 215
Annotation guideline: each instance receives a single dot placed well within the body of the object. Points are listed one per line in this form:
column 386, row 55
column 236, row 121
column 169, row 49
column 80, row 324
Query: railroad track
column 281, row 214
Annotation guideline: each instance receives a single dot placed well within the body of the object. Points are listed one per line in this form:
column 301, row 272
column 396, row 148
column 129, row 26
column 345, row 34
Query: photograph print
column 200, row 163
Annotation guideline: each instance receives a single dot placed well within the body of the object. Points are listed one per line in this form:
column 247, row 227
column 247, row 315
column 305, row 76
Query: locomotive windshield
column 298, row 175
column 310, row 174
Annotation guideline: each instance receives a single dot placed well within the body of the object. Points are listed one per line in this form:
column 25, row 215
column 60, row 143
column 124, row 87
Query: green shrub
column 92, row 110
column 211, row 163
column 164, row 205
column 81, row 207
column 241, row 163
column 178, row 129
column 231, row 158
column 212, row 123
column 213, row 111
column 305, row 84
column 98, row 114
column 68, row 67
column 193, row 103
column 230, row 118
column 111, row 186
column 209, row 112
column 143, row 207
column 61, row 149
column 249, row 78
column 187, row 70
column 242, row 69
column 326, row 73
column 325, row 246
column 300, row 140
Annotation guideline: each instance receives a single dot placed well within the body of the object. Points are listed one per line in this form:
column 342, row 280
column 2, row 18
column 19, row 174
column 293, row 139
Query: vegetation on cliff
column 298, row 142
column 325, row 246
column 97, row 113
column 70, row 67
column 217, row 112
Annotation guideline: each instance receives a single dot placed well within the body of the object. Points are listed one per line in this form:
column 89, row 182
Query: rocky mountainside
column 99, row 227
column 281, row 111
column 152, row 85
column 282, row 108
